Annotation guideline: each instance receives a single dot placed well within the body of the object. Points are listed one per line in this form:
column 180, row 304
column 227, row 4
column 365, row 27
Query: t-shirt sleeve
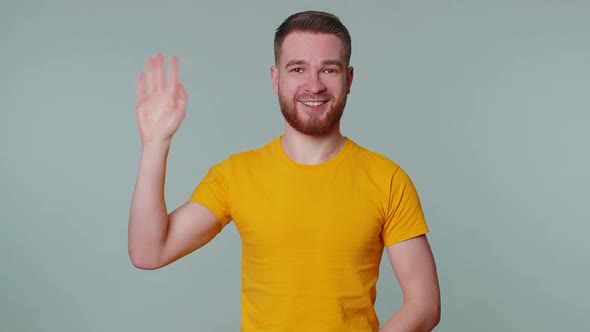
column 213, row 191
column 404, row 219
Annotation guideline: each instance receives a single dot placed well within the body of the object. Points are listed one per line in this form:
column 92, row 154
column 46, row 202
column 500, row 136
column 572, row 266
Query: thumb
column 181, row 97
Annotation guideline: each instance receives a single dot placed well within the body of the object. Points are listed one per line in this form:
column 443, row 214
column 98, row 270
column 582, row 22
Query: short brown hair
column 313, row 21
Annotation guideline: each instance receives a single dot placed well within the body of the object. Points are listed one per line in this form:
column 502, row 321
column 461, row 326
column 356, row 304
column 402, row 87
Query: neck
column 311, row 150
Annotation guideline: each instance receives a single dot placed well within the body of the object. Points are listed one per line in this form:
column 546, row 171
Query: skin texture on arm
column 155, row 238
column 189, row 227
column 415, row 270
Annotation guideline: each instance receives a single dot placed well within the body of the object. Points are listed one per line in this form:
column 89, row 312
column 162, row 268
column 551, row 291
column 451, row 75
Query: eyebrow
column 330, row 62
column 295, row 62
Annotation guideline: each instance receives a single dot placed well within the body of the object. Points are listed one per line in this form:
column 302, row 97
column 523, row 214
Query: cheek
column 337, row 88
column 287, row 88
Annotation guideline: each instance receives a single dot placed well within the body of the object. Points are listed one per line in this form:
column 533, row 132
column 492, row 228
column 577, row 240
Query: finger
column 149, row 77
column 140, row 88
column 173, row 76
column 159, row 72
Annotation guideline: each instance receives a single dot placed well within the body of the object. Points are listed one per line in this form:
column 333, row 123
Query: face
column 312, row 82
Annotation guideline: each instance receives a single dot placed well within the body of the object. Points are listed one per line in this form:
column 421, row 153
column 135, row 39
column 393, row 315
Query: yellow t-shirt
column 312, row 236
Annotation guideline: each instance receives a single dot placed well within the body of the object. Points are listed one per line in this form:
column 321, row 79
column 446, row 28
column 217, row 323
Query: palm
column 160, row 107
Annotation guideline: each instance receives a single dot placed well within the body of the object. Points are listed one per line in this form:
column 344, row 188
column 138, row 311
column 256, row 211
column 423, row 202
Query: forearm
column 413, row 317
column 148, row 218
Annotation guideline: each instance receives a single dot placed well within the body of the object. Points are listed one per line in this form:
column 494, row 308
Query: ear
column 274, row 76
column 349, row 76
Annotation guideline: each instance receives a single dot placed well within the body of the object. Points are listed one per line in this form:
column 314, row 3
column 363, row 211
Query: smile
column 313, row 103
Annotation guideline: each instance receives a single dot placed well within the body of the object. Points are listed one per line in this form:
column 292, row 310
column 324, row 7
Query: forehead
column 311, row 46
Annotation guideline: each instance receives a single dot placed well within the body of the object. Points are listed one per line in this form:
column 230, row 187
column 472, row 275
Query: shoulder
column 247, row 158
column 254, row 155
column 380, row 168
column 373, row 161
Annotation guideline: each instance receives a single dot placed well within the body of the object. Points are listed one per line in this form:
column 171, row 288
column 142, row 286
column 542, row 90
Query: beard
column 312, row 123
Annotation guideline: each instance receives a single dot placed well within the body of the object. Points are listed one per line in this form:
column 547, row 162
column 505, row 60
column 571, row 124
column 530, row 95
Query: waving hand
column 161, row 104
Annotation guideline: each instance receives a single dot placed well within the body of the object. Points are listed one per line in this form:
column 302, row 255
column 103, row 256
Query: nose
column 314, row 83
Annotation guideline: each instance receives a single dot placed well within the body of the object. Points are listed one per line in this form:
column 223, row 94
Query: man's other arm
column 413, row 264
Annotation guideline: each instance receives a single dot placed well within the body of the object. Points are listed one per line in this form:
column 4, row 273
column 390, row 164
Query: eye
column 329, row 70
column 297, row 70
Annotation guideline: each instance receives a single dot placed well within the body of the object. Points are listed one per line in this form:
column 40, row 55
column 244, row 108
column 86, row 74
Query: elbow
column 144, row 265
column 434, row 317
column 429, row 315
column 432, row 310
column 142, row 262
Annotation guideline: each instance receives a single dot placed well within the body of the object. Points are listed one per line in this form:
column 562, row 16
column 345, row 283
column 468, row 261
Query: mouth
column 312, row 103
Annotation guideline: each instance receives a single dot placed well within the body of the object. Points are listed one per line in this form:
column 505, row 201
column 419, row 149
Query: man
column 314, row 210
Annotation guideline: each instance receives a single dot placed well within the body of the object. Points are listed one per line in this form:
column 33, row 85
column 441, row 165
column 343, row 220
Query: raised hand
column 161, row 105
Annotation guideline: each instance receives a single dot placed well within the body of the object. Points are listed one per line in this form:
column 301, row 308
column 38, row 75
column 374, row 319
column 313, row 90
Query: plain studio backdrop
column 484, row 103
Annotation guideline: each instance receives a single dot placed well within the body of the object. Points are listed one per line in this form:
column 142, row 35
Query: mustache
column 314, row 97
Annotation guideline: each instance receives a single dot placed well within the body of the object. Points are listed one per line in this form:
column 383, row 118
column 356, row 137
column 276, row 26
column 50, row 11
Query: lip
column 321, row 103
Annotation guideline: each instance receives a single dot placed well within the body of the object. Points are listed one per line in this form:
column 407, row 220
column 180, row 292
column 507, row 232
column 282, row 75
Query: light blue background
column 484, row 103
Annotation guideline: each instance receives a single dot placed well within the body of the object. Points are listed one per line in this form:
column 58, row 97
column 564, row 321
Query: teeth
column 313, row 103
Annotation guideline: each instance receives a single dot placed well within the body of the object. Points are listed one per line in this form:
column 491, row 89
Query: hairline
column 279, row 50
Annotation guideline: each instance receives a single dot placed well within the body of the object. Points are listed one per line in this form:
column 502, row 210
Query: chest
column 340, row 216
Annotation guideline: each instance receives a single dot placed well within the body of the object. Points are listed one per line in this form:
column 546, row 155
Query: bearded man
column 314, row 210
